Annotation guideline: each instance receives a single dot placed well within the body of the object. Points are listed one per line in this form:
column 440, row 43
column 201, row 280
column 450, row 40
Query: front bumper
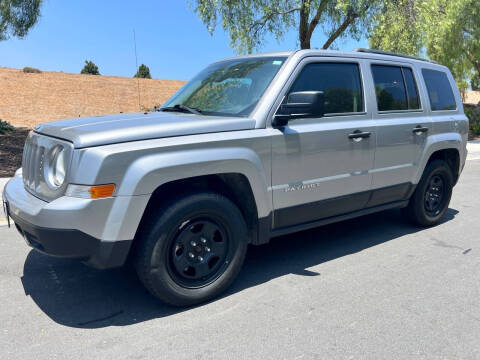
column 89, row 230
column 74, row 244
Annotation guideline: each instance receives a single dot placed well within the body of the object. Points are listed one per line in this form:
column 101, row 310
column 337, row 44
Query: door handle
column 419, row 129
column 358, row 135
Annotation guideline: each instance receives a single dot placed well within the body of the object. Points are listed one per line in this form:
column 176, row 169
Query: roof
column 357, row 53
column 265, row 54
column 380, row 52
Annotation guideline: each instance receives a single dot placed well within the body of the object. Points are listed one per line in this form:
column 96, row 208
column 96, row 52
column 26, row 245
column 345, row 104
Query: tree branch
column 259, row 24
column 351, row 16
column 316, row 18
column 475, row 62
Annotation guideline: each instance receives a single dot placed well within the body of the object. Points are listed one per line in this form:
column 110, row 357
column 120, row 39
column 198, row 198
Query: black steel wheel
column 432, row 195
column 199, row 252
column 191, row 249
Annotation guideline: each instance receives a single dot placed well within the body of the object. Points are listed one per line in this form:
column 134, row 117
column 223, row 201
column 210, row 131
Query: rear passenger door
column 402, row 128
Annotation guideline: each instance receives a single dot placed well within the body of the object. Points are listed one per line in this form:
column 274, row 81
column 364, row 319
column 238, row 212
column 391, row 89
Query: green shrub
column 473, row 114
column 31, row 70
column 5, row 127
column 475, row 128
column 143, row 72
column 90, row 68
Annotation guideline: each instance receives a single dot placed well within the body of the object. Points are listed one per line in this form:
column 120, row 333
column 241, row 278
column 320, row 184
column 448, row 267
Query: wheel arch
column 147, row 173
column 235, row 186
column 451, row 156
column 447, row 147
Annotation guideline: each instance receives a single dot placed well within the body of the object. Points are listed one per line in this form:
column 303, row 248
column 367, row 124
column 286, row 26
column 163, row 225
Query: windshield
column 230, row 87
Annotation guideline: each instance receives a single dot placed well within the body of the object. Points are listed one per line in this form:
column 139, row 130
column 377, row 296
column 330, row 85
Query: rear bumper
column 74, row 244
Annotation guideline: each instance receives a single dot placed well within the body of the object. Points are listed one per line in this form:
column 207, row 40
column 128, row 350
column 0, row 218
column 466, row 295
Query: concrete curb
column 3, row 182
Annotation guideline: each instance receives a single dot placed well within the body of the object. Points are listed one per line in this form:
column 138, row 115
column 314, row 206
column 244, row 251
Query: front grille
column 32, row 163
column 35, row 154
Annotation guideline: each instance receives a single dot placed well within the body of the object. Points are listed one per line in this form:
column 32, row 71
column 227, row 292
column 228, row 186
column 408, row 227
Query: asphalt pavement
column 369, row 288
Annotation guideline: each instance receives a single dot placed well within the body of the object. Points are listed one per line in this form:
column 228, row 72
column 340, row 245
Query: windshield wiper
column 182, row 108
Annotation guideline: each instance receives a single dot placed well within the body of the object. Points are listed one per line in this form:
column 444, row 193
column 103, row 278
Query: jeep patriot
column 251, row 148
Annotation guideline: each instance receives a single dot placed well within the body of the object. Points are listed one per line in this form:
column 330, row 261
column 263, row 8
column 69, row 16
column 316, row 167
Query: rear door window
column 395, row 88
column 412, row 91
column 439, row 90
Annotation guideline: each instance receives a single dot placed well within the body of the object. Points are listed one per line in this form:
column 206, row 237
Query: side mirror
column 301, row 104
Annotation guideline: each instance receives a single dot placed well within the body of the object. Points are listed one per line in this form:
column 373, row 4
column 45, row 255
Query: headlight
column 55, row 168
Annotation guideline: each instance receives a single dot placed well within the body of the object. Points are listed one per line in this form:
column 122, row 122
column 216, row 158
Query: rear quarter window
column 439, row 90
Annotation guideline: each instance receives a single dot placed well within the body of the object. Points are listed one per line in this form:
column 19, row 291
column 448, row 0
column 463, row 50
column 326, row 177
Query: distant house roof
column 472, row 98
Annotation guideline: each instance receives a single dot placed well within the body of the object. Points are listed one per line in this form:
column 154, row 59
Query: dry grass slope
column 27, row 99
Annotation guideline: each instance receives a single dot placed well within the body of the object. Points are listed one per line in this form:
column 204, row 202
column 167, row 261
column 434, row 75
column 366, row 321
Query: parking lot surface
column 369, row 288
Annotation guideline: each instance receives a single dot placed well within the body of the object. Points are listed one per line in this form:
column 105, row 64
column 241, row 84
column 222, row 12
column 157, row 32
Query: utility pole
column 136, row 68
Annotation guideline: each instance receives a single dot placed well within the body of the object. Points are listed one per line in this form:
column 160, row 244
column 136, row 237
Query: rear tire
column 192, row 249
column 432, row 196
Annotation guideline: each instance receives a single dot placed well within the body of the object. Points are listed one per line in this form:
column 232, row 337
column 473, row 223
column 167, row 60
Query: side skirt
column 333, row 219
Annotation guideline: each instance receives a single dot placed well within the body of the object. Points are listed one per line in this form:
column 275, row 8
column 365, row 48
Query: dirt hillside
column 27, row 99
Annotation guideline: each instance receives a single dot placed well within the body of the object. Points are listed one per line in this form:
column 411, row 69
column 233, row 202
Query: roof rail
column 380, row 52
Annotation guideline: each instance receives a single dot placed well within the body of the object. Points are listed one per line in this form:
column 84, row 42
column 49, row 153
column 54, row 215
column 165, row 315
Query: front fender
column 148, row 172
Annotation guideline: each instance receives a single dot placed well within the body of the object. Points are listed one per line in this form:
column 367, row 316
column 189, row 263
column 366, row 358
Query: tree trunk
column 305, row 44
column 303, row 29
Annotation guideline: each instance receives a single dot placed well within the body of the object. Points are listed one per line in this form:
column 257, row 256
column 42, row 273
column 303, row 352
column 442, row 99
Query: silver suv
column 252, row 148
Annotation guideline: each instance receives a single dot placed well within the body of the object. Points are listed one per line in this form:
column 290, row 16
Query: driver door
column 318, row 169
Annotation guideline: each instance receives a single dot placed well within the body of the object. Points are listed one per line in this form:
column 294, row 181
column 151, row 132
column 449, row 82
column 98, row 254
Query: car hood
column 103, row 130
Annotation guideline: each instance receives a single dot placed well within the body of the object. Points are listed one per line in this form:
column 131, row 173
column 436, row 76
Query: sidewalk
column 473, row 148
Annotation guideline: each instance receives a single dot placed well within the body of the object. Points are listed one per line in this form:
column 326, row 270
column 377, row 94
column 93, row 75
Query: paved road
column 369, row 288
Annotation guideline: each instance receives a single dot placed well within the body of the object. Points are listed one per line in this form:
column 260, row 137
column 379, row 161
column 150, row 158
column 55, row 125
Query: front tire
column 432, row 196
column 192, row 249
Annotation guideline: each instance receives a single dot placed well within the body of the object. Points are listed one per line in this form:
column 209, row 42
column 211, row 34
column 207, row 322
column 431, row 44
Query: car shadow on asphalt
column 75, row 295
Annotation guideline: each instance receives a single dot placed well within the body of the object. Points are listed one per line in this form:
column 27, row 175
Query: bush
column 475, row 128
column 473, row 114
column 475, row 82
column 90, row 68
column 143, row 72
column 5, row 127
column 31, row 70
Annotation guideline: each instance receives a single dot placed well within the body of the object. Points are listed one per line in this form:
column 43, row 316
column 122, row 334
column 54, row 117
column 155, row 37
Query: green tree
column 456, row 40
column 90, row 68
column 397, row 26
column 248, row 21
column 17, row 17
column 448, row 31
column 143, row 72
